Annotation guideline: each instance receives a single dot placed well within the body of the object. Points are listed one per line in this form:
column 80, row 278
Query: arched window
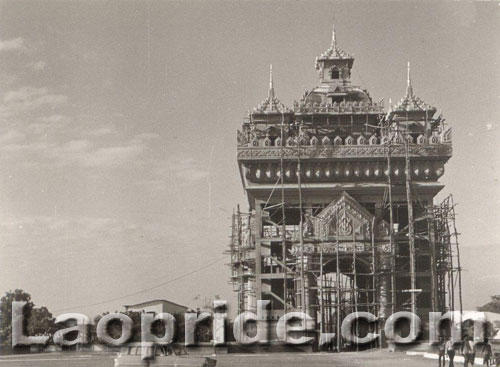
column 434, row 138
column 361, row 140
column 334, row 73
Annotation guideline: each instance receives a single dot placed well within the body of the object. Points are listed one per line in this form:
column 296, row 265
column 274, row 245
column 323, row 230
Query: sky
column 118, row 128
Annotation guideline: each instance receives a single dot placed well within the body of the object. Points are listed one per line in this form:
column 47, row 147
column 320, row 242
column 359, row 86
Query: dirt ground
column 374, row 358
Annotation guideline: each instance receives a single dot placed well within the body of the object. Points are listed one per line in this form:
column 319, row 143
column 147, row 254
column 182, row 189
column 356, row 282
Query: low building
column 157, row 306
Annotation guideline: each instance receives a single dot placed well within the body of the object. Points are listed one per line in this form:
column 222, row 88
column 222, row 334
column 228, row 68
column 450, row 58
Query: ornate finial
column 409, row 88
column 409, row 78
column 271, row 86
column 411, row 102
column 271, row 76
column 334, row 37
column 271, row 104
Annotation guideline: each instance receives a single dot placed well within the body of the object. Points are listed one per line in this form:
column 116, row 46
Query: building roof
column 411, row 103
column 271, row 104
column 335, row 89
column 153, row 302
column 334, row 52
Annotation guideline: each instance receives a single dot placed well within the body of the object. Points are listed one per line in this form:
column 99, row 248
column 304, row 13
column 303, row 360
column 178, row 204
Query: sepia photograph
column 249, row 183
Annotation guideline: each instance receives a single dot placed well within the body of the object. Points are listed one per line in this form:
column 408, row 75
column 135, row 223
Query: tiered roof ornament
column 334, row 52
column 271, row 104
column 410, row 103
column 335, row 94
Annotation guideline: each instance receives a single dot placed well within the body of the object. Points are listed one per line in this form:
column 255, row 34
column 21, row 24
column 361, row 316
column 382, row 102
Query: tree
column 205, row 303
column 115, row 326
column 157, row 328
column 37, row 320
column 204, row 329
column 41, row 322
column 492, row 306
column 6, row 313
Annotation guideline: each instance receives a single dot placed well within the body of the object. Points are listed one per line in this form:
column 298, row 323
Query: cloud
column 70, row 228
column 89, row 154
column 11, row 136
column 101, row 131
column 37, row 66
column 37, row 132
column 148, row 136
column 41, row 239
column 50, row 99
column 56, row 141
column 14, row 44
column 23, row 94
column 7, row 79
column 176, row 172
column 47, row 125
column 112, row 156
column 188, row 169
column 26, row 99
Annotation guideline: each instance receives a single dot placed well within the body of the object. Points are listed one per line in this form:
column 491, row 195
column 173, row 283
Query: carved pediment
column 342, row 217
column 345, row 217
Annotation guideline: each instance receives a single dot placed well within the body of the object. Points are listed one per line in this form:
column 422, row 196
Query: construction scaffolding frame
column 242, row 262
column 333, row 285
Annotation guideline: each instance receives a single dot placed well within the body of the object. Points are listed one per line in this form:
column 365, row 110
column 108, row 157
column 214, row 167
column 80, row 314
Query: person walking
column 441, row 352
column 450, row 350
column 486, row 352
column 468, row 351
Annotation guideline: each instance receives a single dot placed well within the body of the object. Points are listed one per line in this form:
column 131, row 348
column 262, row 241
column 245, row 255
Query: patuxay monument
column 342, row 216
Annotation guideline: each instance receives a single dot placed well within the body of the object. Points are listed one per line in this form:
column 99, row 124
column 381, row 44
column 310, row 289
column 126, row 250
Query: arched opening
column 334, row 73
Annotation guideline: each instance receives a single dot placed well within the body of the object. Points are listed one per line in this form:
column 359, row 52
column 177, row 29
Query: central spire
column 409, row 88
column 271, row 86
column 334, row 52
column 334, row 64
column 334, row 37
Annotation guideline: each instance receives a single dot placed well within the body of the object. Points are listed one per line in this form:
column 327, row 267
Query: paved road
column 361, row 359
column 68, row 359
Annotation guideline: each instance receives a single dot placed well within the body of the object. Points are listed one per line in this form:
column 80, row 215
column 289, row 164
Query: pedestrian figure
column 441, row 352
column 486, row 352
column 468, row 351
column 450, row 350
column 497, row 359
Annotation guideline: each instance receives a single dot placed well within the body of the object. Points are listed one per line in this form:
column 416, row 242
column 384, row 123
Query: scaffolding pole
column 391, row 232
column 411, row 231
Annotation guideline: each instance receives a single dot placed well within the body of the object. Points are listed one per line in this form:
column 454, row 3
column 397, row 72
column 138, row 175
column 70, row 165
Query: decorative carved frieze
column 342, row 151
column 330, row 248
column 327, row 171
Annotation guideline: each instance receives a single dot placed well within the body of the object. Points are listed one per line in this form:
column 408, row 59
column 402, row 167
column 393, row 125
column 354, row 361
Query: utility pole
column 391, row 230
column 411, row 230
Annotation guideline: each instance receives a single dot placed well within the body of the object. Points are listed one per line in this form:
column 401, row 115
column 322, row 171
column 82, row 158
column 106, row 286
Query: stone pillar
column 384, row 285
column 310, row 294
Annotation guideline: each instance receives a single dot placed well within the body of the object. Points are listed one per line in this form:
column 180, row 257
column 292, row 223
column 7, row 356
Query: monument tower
column 341, row 203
